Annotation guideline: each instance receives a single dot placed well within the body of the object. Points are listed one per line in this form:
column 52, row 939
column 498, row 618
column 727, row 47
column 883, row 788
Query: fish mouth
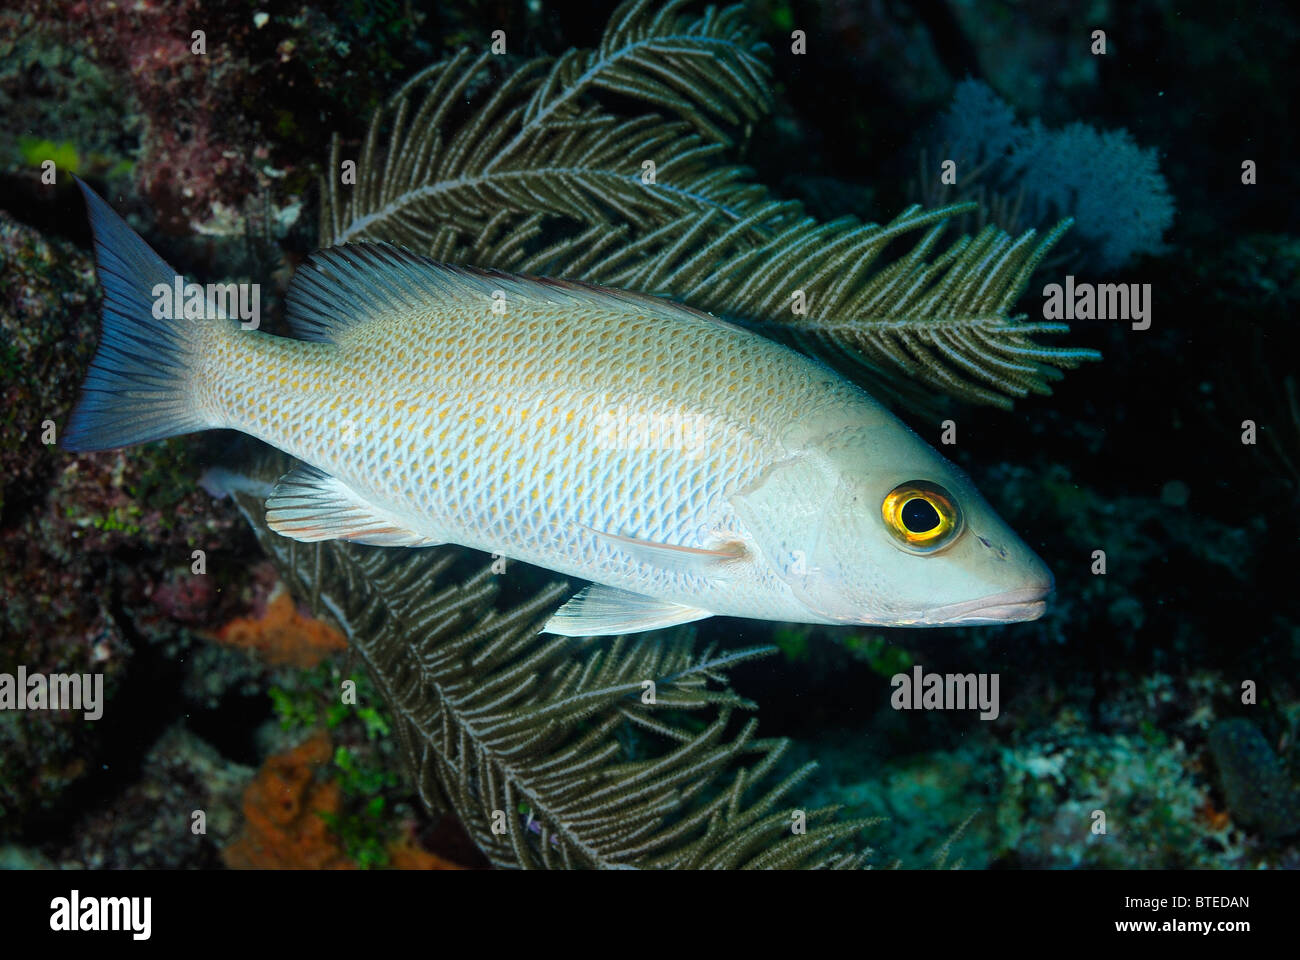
column 1013, row 606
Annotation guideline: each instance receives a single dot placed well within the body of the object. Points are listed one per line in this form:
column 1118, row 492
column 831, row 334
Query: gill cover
column 789, row 511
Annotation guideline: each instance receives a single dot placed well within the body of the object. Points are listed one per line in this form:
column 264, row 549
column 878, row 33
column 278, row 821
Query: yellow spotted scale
column 684, row 465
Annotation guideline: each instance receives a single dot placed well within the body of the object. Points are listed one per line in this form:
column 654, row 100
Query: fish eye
column 922, row 516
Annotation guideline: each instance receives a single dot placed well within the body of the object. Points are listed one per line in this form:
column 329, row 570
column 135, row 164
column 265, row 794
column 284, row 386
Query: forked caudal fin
column 138, row 388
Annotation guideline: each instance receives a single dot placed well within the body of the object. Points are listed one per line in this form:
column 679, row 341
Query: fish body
column 684, row 465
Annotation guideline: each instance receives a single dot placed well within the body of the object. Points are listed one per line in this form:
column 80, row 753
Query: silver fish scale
column 521, row 433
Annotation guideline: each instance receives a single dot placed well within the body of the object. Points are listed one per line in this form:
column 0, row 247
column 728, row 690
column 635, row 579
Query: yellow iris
column 923, row 516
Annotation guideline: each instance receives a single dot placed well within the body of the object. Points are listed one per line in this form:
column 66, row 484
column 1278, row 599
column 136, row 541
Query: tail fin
column 138, row 388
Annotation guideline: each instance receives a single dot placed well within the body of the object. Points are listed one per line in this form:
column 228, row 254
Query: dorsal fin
column 342, row 287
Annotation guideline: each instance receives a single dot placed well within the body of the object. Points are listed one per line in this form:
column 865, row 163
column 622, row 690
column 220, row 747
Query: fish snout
column 1023, row 603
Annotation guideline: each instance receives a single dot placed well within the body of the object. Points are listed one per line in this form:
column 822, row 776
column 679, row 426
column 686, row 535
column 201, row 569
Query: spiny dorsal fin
column 308, row 504
column 342, row 287
column 601, row 611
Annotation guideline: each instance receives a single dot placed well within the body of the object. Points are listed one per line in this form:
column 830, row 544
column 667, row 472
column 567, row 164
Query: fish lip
column 1011, row 606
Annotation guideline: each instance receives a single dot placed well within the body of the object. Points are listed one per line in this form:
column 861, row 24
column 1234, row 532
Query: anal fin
column 601, row 611
column 308, row 504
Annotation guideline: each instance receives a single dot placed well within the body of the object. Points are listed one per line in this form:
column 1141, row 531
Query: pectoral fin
column 309, row 505
column 696, row 561
column 600, row 611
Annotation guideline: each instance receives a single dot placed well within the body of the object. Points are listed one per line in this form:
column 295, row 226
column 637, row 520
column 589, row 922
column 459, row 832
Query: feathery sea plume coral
column 535, row 172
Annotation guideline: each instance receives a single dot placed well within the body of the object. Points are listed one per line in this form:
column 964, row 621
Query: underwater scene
column 527, row 435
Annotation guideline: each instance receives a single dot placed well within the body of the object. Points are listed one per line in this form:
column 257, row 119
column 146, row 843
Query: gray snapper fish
column 684, row 465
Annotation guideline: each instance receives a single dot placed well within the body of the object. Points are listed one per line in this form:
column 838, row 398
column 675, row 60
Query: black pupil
column 919, row 516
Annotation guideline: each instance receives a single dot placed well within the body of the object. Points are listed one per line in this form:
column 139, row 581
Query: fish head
column 873, row 526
